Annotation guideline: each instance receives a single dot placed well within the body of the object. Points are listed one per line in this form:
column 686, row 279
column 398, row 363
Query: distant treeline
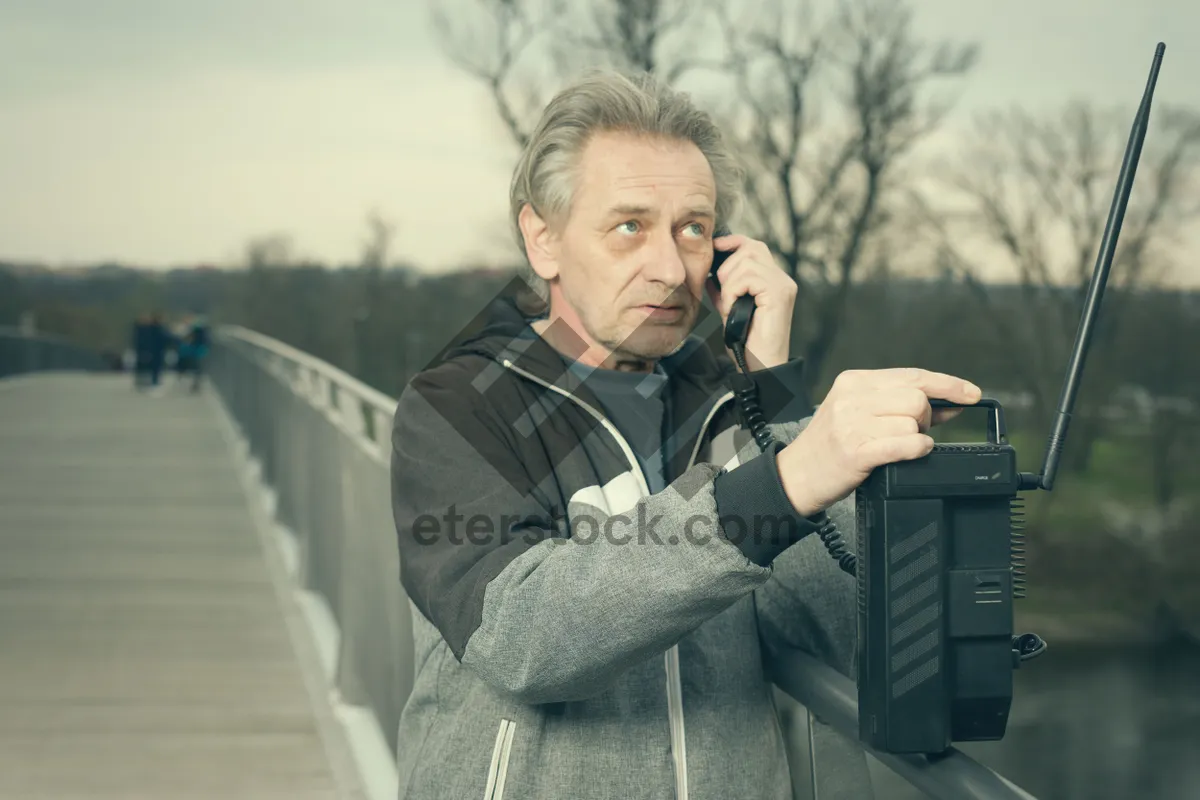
column 383, row 324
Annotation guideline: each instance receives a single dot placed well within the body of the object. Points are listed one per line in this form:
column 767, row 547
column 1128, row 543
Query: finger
column 730, row 241
column 728, row 245
column 944, row 415
column 743, row 250
column 728, row 271
column 889, row 426
column 749, row 276
column 749, row 260
column 888, row 450
column 744, row 245
column 925, row 420
column 730, row 292
column 908, row 402
column 934, row 384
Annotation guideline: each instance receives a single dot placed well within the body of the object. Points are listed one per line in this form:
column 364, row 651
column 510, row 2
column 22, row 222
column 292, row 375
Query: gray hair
column 610, row 101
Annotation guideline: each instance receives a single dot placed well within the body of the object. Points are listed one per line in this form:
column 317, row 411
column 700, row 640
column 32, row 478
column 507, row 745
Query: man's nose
column 664, row 264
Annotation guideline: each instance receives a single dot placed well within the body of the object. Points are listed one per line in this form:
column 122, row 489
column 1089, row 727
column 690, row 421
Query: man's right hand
column 868, row 419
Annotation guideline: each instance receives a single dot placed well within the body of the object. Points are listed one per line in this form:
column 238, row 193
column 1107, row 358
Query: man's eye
column 697, row 229
column 631, row 229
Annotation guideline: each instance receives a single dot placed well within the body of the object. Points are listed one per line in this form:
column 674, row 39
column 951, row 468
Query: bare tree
column 505, row 45
column 1162, row 361
column 635, row 34
column 369, row 350
column 1032, row 197
column 821, row 187
column 257, row 304
column 520, row 50
column 824, row 113
column 271, row 250
column 377, row 248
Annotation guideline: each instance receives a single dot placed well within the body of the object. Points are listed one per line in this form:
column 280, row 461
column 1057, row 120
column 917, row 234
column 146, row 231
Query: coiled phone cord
column 747, row 396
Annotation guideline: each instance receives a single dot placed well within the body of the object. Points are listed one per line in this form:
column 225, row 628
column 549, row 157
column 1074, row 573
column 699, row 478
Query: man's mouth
column 662, row 311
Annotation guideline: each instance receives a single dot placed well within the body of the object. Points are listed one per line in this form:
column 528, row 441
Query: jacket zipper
column 671, row 658
column 498, row 771
column 712, row 412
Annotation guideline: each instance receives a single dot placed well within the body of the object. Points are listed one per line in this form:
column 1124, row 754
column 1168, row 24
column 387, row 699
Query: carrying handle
column 997, row 431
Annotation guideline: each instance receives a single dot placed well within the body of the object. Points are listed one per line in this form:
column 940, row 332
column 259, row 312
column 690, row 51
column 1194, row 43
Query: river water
column 1099, row 723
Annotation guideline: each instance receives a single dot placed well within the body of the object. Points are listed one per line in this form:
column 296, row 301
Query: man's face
column 632, row 258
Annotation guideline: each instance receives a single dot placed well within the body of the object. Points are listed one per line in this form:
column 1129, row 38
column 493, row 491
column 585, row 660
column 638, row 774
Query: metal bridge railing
column 22, row 352
column 323, row 442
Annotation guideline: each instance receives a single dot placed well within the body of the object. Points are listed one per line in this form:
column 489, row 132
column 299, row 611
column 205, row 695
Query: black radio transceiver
column 938, row 567
column 940, row 557
column 939, row 550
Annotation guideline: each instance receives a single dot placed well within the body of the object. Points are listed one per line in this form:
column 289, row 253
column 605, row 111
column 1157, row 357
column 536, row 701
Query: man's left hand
column 753, row 270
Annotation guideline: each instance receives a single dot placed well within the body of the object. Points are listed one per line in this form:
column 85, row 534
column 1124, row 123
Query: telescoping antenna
column 1091, row 304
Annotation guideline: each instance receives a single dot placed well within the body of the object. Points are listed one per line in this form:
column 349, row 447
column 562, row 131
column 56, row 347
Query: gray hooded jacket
column 576, row 636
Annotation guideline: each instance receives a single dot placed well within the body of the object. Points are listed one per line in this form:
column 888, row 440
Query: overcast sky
column 163, row 132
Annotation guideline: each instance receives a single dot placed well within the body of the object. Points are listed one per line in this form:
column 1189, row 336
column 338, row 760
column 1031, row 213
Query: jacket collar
column 697, row 378
column 504, row 332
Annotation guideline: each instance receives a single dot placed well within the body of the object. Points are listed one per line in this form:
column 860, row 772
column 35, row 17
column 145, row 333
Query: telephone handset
column 737, row 329
column 737, row 324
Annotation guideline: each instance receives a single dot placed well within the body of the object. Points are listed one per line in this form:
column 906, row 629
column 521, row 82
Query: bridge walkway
column 145, row 649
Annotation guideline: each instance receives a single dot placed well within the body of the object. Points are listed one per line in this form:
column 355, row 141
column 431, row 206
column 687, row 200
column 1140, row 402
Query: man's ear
column 539, row 243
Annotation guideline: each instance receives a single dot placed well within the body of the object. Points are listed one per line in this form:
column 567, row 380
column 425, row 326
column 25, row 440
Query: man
column 200, row 339
column 193, row 348
column 141, row 345
column 150, row 348
column 600, row 562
